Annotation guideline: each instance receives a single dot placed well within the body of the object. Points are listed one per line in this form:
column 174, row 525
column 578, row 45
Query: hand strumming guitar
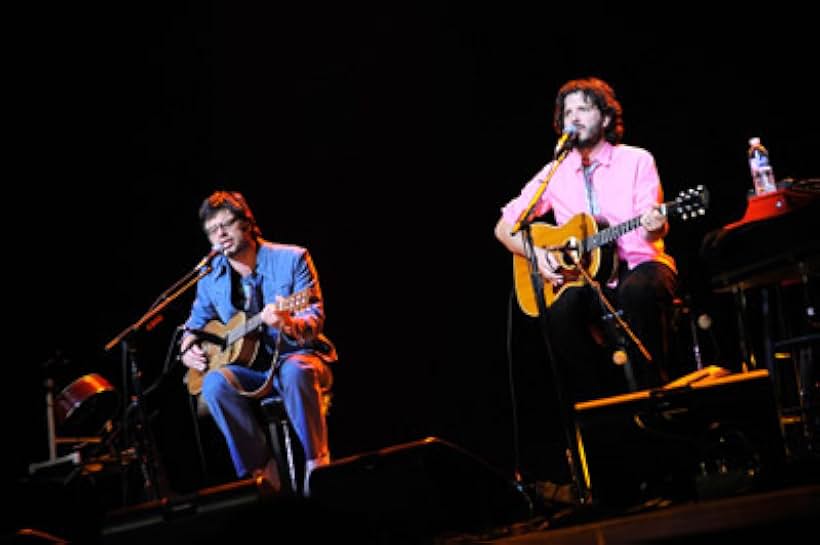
column 549, row 267
column 192, row 354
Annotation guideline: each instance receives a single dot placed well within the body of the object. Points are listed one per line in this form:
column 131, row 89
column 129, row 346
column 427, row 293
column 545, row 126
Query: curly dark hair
column 602, row 95
column 228, row 200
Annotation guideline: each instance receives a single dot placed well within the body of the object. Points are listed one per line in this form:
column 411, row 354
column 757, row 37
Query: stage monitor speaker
column 709, row 438
column 231, row 512
column 424, row 487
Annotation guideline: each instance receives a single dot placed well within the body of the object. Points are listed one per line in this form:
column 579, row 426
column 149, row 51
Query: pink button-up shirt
column 626, row 184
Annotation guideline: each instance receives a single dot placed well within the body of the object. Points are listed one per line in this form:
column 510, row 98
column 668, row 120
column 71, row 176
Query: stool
column 279, row 428
column 271, row 413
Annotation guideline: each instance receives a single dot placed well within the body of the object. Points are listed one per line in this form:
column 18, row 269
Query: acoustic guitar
column 238, row 340
column 580, row 240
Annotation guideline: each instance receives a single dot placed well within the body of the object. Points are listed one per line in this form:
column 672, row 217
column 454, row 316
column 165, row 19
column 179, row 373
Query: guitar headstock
column 690, row 203
column 296, row 301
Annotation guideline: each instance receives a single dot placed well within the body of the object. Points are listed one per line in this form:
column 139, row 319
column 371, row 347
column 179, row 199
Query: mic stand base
column 144, row 445
column 140, row 441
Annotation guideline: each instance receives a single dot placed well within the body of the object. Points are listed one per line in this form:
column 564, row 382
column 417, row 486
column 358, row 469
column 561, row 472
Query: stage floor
column 777, row 516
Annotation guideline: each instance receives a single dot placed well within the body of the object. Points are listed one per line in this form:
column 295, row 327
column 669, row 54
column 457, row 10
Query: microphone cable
column 513, row 398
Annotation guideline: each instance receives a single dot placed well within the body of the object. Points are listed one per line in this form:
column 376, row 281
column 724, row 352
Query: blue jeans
column 301, row 380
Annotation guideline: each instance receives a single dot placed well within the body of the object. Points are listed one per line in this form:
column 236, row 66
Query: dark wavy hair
column 228, row 200
column 599, row 93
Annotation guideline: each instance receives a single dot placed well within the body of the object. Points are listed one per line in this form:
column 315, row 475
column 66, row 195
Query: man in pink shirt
column 614, row 183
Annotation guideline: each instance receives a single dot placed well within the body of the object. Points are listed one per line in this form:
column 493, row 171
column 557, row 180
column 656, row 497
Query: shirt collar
column 603, row 156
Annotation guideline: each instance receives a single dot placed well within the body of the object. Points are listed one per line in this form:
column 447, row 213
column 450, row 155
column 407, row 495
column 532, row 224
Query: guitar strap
column 265, row 388
column 262, row 391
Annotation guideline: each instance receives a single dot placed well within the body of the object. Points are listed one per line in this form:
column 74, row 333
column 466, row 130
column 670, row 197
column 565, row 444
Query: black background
column 383, row 138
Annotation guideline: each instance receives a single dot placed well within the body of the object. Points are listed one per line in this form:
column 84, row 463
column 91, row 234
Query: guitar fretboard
column 609, row 234
column 240, row 331
column 297, row 301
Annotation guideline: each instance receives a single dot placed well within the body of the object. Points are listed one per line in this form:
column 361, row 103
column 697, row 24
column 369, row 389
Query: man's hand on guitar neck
column 654, row 223
column 191, row 353
column 278, row 317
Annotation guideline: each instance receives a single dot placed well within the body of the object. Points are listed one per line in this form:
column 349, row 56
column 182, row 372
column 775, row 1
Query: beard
column 594, row 135
column 237, row 246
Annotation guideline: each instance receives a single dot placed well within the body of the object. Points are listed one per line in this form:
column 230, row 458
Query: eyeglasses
column 225, row 225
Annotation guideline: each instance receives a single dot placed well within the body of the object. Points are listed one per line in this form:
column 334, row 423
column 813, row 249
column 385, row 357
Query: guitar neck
column 605, row 236
column 251, row 324
column 293, row 302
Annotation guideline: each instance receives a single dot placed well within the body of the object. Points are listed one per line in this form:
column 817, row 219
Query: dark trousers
column 645, row 295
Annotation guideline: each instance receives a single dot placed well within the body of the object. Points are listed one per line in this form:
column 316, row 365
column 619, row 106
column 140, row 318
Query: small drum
column 85, row 405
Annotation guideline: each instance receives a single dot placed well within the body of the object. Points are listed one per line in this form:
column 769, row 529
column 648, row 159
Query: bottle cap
column 754, row 141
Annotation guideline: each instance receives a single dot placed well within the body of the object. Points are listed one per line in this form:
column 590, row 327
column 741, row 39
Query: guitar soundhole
column 570, row 253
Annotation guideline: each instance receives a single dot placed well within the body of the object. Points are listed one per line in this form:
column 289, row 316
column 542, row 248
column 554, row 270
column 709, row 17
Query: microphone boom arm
column 543, row 187
column 158, row 307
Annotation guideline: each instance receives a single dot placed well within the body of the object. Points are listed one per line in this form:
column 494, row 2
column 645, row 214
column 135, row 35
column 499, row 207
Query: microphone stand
column 564, row 407
column 144, row 447
column 575, row 258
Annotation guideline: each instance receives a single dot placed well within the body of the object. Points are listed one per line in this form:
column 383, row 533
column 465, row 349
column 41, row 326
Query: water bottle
column 762, row 174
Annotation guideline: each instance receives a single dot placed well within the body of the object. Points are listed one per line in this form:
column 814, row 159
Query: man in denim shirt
column 259, row 278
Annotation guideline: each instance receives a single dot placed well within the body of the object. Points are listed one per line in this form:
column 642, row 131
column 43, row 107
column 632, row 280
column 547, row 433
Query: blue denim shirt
column 283, row 270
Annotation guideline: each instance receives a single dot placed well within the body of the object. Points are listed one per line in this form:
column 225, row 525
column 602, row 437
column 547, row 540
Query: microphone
column 216, row 249
column 567, row 139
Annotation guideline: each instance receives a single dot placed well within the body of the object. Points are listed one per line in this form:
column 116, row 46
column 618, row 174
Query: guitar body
column 600, row 262
column 243, row 350
column 593, row 249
